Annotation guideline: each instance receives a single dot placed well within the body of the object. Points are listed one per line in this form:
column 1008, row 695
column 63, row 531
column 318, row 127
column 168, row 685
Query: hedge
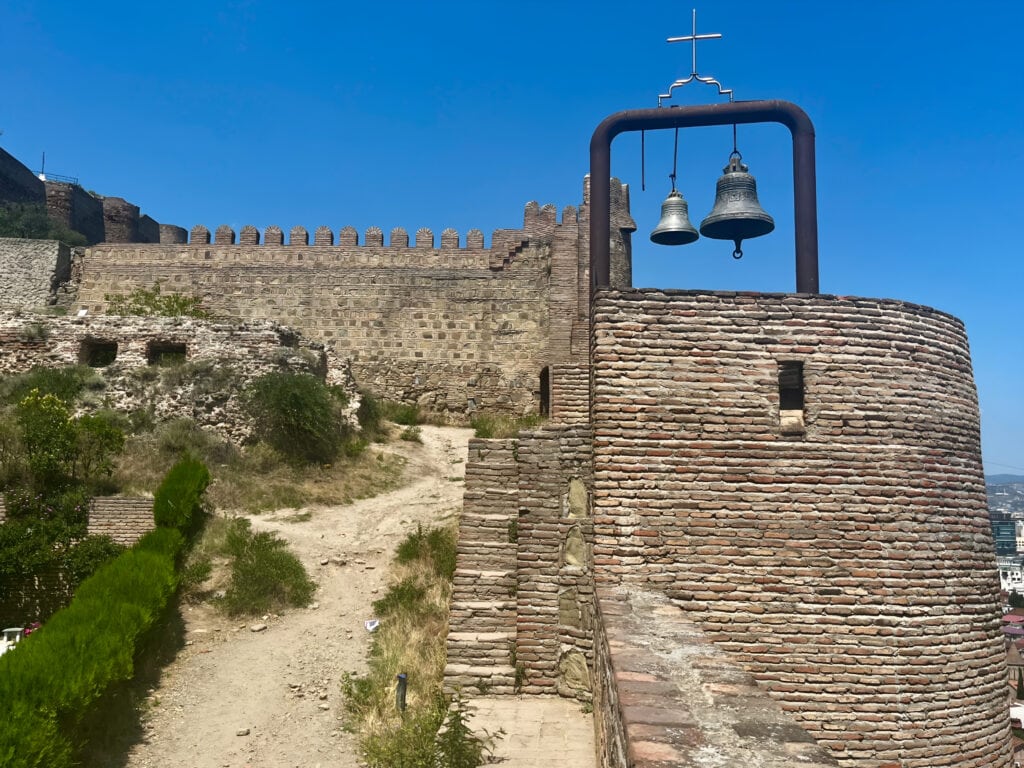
column 50, row 680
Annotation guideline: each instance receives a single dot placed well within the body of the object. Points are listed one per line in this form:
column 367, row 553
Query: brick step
column 482, row 615
column 499, row 679
column 480, row 648
column 484, row 527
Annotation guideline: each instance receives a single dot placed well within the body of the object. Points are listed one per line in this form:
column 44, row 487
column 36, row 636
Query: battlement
column 539, row 222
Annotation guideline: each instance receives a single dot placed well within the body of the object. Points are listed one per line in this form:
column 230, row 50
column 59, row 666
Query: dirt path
column 235, row 698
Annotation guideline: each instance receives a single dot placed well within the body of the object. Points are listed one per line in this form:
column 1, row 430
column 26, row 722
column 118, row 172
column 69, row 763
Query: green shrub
column 401, row 413
column 30, row 220
column 437, row 546
column 87, row 555
column 178, row 437
column 153, row 301
column 411, row 745
column 265, row 576
column 97, row 441
column 50, row 681
column 412, row 435
column 48, row 436
column 403, row 596
column 178, row 502
column 298, row 415
column 65, row 383
column 370, row 415
column 494, row 426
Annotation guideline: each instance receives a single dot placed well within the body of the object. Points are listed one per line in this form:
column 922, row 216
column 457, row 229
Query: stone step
column 480, row 648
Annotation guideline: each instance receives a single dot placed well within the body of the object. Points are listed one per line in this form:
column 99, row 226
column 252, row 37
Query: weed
column 412, row 435
column 400, row 413
column 513, row 530
column 437, row 547
column 494, row 426
column 520, row 678
column 265, row 576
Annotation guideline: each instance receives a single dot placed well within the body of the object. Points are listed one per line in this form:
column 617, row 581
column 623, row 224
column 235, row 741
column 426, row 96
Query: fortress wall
column 169, row 367
column 120, row 221
column 76, row 209
column 32, row 269
column 454, row 329
column 17, row 183
column 848, row 562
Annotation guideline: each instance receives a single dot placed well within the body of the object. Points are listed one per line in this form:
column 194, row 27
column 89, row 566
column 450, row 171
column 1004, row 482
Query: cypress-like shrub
column 178, row 502
column 49, row 681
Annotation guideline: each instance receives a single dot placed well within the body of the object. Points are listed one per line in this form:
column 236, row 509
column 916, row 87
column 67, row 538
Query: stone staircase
column 482, row 622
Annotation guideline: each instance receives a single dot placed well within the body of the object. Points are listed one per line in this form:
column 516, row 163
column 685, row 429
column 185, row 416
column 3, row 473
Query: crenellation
column 249, row 235
column 224, row 235
column 323, row 236
column 374, row 237
column 348, row 237
column 475, row 239
column 200, row 235
column 399, row 238
column 273, row 235
column 424, row 238
column 449, row 239
column 298, row 236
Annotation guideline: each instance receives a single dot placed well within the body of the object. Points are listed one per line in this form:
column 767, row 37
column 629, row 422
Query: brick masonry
column 125, row 519
column 846, row 561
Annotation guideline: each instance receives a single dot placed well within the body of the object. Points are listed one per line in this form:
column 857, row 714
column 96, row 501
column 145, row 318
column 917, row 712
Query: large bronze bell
column 674, row 228
column 736, row 215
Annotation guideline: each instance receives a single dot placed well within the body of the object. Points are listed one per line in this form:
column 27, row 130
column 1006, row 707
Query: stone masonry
column 453, row 326
column 33, row 269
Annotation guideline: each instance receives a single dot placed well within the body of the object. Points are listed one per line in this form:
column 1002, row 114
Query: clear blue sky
column 456, row 114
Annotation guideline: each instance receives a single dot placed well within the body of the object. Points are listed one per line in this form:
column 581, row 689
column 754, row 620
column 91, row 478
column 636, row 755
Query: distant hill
column 1003, row 479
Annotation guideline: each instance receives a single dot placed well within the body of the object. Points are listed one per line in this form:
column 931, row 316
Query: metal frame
column 805, row 206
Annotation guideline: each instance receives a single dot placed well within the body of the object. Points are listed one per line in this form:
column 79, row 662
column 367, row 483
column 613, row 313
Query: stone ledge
column 667, row 697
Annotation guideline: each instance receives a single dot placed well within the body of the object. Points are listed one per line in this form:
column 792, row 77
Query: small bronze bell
column 736, row 215
column 674, row 228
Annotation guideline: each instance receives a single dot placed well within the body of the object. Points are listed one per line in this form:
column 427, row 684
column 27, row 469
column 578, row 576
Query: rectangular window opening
column 791, row 398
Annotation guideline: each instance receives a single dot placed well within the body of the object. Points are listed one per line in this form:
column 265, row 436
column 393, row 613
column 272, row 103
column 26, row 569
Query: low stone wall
column 168, row 367
column 667, row 697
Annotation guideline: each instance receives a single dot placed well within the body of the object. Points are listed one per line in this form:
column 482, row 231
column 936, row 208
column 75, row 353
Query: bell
column 674, row 228
column 736, row 215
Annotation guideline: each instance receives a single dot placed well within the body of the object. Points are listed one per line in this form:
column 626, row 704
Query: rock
column 257, row 627
column 323, row 697
column 324, row 560
column 325, row 707
column 242, row 732
column 314, row 606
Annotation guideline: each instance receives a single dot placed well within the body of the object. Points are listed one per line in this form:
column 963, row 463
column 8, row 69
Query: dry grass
column 256, row 478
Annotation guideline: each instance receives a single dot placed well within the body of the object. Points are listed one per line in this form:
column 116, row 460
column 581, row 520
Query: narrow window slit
column 791, row 398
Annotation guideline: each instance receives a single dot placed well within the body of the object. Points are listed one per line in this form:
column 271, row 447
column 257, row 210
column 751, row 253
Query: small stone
column 325, row 707
column 314, row 606
column 242, row 732
column 323, row 697
column 257, row 627
column 324, row 560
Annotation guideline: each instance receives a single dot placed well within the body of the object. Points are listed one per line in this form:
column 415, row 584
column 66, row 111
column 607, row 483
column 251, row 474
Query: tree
column 1016, row 600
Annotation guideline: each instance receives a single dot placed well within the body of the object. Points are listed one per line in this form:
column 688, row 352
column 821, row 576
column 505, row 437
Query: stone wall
column 802, row 475
column 168, row 367
column 453, row 326
column 17, row 183
column 32, row 270
column 76, row 209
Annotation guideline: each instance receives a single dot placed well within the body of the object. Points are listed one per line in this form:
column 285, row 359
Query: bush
column 437, row 546
column 87, row 555
column 30, row 220
column 265, row 576
column 64, row 383
column 178, row 502
column 412, row 435
column 401, row 413
column 298, row 415
column 154, row 302
column 370, row 415
column 51, row 680
column 493, row 426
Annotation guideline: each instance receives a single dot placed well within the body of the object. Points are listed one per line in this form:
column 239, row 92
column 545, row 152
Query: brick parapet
column 848, row 564
column 666, row 697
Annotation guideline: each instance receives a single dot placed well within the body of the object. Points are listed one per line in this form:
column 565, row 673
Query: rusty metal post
column 805, row 206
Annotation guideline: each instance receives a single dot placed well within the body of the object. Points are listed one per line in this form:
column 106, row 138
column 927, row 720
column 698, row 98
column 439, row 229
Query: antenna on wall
column 42, row 169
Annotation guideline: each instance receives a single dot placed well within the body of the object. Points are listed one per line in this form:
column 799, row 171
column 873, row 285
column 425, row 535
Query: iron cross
column 692, row 39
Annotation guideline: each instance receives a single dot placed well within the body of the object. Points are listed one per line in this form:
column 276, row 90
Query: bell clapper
column 737, row 251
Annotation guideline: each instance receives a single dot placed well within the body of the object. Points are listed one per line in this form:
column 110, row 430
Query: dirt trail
column 281, row 684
